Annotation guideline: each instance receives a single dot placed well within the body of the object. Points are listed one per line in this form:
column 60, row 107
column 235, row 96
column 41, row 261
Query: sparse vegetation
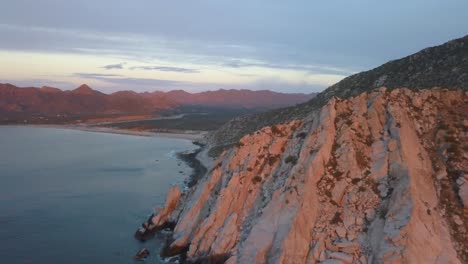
column 383, row 213
column 355, row 180
column 256, row 179
column 239, row 144
column 276, row 131
column 272, row 159
column 361, row 159
column 291, row 159
column 336, row 219
column 301, row 135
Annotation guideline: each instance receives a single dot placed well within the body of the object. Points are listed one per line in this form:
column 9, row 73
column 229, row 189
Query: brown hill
column 239, row 98
column 85, row 100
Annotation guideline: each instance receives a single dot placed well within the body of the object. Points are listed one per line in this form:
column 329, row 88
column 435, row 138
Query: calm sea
column 69, row 196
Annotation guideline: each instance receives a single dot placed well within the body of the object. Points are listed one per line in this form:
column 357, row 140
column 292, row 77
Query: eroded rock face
column 378, row 178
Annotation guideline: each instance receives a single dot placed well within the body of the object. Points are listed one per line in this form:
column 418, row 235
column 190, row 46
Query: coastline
column 187, row 136
column 198, row 167
column 149, row 228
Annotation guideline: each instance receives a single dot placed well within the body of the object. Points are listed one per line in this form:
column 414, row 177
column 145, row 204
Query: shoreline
column 186, row 136
column 198, row 168
column 147, row 229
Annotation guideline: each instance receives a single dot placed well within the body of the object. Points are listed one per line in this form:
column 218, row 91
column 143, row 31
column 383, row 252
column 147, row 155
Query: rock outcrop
column 377, row 178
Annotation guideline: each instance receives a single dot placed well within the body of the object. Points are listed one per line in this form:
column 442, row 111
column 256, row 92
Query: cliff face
column 377, row 178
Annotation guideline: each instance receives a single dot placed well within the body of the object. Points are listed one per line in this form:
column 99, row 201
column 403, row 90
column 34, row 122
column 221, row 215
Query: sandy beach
column 189, row 135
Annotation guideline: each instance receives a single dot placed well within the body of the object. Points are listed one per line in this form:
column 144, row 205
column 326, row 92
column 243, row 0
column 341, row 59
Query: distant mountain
column 84, row 100
column 239, row 98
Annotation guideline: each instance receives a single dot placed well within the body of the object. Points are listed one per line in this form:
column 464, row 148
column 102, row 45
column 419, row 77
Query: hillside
column 239, row 98
column 376, row 178
column 441, row 66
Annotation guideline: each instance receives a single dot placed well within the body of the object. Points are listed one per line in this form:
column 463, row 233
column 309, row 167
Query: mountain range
column 85, row 100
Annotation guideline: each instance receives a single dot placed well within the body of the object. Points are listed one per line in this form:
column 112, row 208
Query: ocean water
column 70, row 196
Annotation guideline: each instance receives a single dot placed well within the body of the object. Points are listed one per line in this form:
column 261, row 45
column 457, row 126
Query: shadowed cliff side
column 377, row 178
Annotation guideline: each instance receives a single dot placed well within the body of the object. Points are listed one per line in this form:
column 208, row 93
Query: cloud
column 120, row 82
column 165, row 69
column 322, row 69
column 114, row 66
column 95, row 75
column 38, row 82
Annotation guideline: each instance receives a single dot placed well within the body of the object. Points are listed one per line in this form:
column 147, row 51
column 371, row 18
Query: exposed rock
column 341, row 232
column 282, row 198
column 339, row 191
column 142, row 254
column 343, row 257
column 457, row 220
column 171, row 202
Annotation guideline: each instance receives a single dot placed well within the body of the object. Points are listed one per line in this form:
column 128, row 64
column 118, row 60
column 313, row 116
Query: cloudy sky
column 146, row 45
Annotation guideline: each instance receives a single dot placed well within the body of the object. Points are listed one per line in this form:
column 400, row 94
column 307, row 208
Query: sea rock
column 171, row 202
column 142, row 254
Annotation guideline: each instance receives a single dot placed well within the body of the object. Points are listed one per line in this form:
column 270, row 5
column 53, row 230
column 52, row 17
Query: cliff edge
column 380, row 177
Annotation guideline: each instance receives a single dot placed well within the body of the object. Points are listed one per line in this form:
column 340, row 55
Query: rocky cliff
column 376, row 178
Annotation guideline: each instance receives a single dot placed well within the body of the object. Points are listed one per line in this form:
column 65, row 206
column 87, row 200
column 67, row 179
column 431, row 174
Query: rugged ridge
column 445, row 66
column 377, row 178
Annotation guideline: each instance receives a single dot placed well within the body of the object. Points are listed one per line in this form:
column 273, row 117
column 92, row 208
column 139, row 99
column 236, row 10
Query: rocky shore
column 162, row 219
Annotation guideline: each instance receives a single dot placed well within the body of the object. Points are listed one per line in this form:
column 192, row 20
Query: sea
column 69, row 196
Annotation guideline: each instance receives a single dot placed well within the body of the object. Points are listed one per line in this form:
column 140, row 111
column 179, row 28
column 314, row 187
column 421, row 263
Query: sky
column 147, row 45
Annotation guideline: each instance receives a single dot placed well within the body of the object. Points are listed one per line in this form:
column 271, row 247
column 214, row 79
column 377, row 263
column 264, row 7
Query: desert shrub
column 355, row 180
column 443, row 126
column 239, row 144
column 301, row 135
column 361, row 159
column 369, row 140
column 337, row 174
column 336, row 219
column 454, row 150
column 383, row 213
column 256, row 179
column 450, row 139
column 272, row 160
column 275, row 130
column 291, row 159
